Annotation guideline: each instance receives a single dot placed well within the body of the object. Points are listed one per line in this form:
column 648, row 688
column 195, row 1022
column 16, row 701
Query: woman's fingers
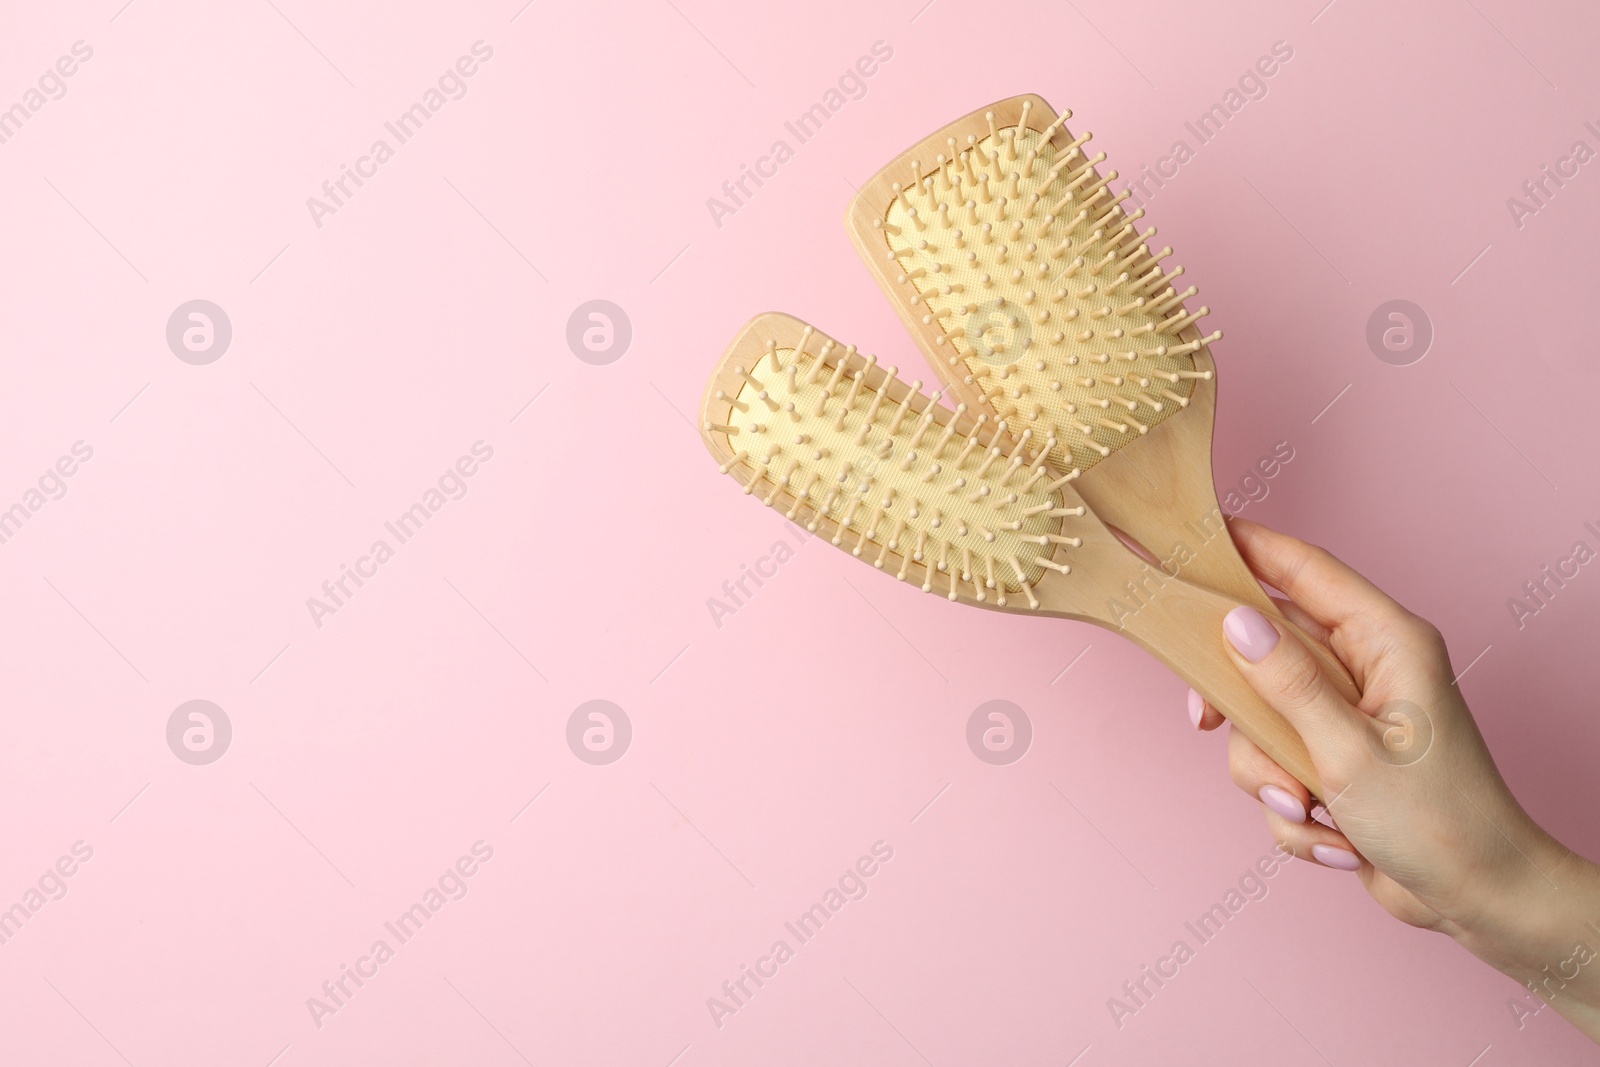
column 1342, row 602
column 1203, row 715
column 1255, row 772
column 1287, row 807
column 1308, row 626
column 1288, row 678
column 1330, row 590
column 1315, row 842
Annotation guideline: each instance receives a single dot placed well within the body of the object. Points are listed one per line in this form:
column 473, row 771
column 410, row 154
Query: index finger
column 1327, row 589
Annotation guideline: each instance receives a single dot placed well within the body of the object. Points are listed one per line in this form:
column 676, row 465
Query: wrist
column 1539, row 919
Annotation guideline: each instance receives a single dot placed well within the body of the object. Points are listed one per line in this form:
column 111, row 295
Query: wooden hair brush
column 956, row 504
column 1038, row 301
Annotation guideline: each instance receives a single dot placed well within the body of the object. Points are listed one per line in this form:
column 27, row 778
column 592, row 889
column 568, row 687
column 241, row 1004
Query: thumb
column 1286, row 675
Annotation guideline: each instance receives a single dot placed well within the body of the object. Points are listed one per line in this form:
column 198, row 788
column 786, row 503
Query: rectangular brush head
column 1014, row 265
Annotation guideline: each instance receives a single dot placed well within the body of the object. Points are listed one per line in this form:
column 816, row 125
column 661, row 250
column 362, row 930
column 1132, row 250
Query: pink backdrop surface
column 421, row 720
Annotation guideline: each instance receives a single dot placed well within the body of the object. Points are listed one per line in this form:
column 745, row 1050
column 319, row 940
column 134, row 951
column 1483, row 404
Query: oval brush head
column 956, row 505
column 1034, row 283
column 932, row 495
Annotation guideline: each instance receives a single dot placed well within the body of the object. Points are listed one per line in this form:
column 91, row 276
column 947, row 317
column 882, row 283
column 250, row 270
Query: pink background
column 371, row 752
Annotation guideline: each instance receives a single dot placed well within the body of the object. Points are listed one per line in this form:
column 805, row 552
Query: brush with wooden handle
column 956, row 504
column 1038, row 301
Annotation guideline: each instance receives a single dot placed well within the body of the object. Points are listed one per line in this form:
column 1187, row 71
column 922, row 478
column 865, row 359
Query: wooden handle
column 1182, row 626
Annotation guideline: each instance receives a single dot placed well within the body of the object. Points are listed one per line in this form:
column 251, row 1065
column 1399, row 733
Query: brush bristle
column 1043, row 293
column 955, row 505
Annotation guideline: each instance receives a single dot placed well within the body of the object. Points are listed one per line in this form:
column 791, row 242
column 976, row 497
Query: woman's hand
column 1423, row 817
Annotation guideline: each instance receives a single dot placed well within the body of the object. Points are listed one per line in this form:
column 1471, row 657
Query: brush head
column 956, row 505
column 952, row 503
column 1009, row 255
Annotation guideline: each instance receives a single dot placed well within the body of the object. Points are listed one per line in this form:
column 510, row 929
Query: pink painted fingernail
column 1283, row 802
column 1197, row 707
column 1249, row 631
column 1337, row 858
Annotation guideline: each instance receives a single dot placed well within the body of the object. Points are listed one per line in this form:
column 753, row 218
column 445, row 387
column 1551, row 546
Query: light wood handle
column 1182, row 626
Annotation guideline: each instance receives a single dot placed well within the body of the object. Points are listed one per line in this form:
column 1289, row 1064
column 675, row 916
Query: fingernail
column 1337, row 858
column 1249, row 631
column 1197, row 707
column 1283, row 802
